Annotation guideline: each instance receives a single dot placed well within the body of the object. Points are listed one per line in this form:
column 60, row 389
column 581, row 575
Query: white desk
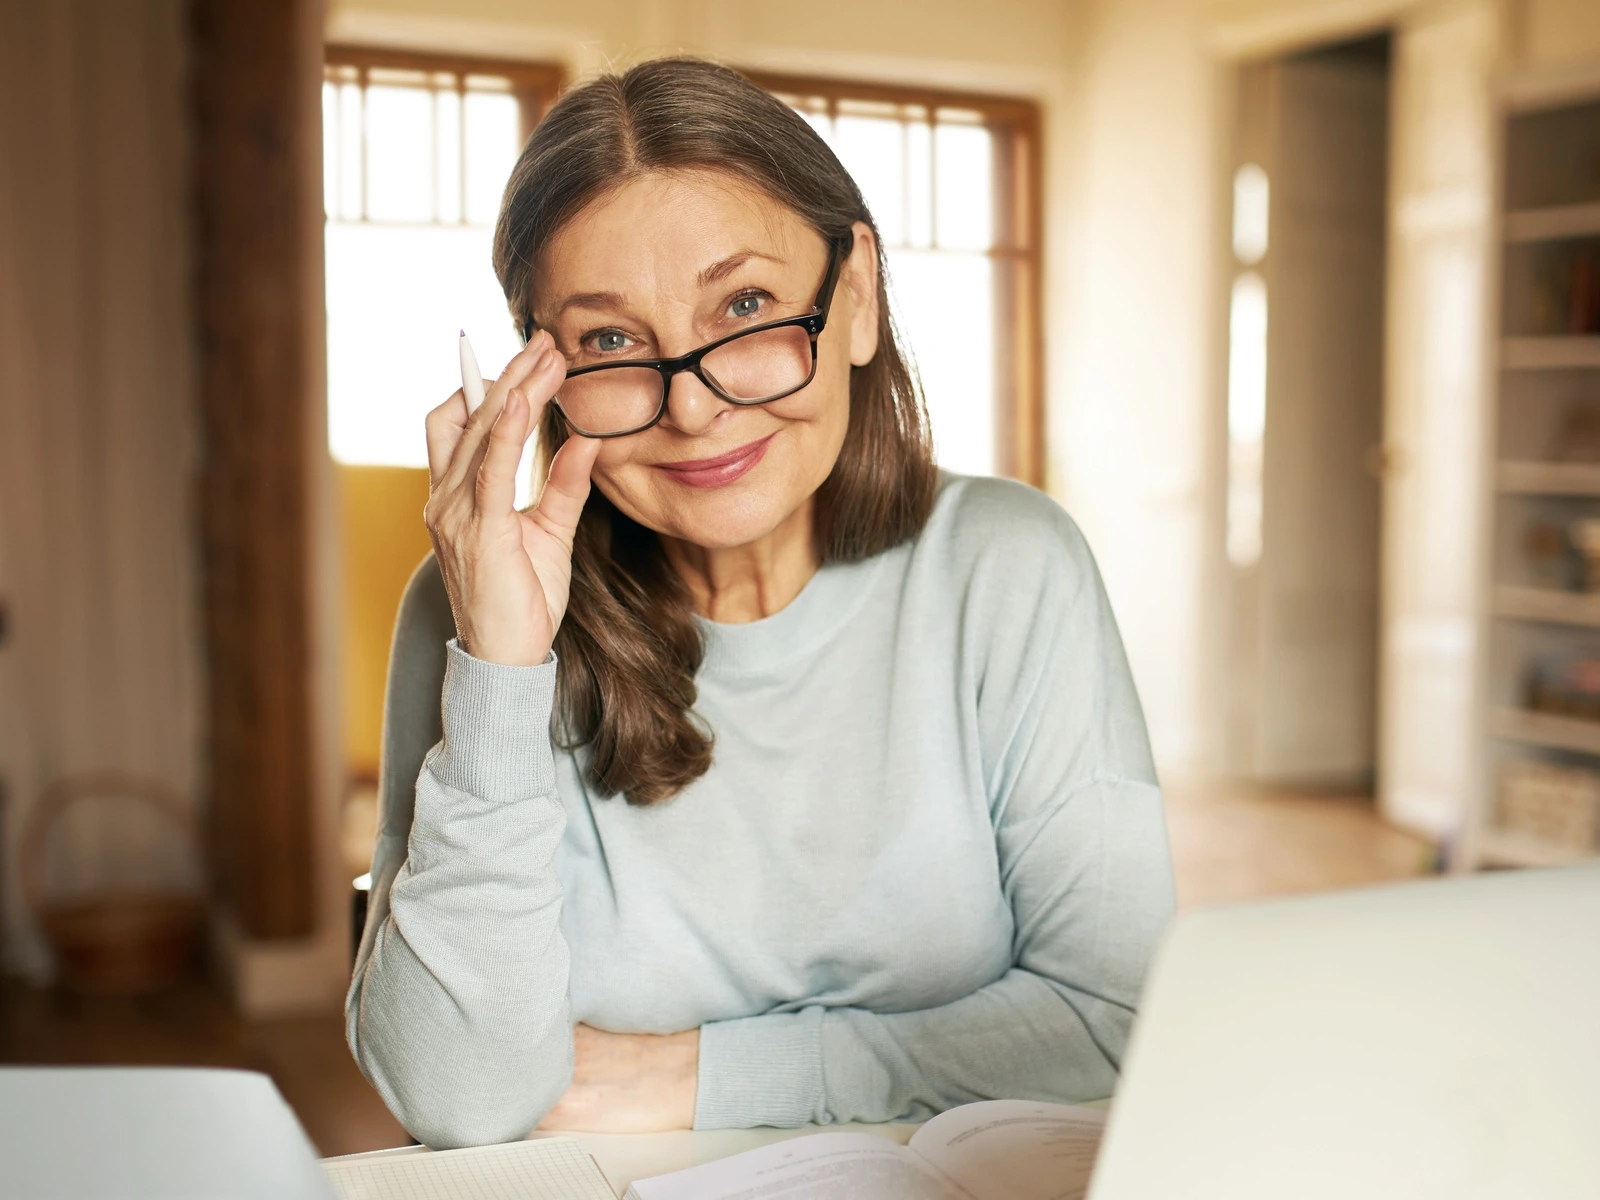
column 624, row 1157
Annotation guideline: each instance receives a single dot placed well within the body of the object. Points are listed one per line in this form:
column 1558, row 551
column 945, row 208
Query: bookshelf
column 1542, row 603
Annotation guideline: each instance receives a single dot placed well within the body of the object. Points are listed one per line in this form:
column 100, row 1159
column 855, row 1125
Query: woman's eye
column 745, row 306
column 609, row 341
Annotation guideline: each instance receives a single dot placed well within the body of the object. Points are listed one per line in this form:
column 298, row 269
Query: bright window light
column 1252, row 201
column 1247, row 416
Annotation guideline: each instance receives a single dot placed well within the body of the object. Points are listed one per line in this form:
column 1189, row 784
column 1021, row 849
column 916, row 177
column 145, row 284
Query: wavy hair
column 628, row 647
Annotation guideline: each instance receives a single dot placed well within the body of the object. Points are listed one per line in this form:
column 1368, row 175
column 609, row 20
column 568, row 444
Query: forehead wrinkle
column 771, row 223
column 720, row 270
column 598, row 301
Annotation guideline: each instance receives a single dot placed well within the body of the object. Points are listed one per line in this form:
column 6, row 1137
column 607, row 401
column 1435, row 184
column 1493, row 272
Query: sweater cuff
column 763, row 1070
column 496, row 728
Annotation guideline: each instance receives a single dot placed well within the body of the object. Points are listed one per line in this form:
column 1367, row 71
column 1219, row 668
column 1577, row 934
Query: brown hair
column 628, row 647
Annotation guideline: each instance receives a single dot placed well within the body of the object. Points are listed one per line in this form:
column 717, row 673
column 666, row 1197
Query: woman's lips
column 721, row 470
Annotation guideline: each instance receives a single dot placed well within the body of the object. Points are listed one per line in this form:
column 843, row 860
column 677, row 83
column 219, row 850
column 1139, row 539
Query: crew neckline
column 827, row 602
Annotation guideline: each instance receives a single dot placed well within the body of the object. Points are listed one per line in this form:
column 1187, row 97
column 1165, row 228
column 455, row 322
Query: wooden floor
column 1227, row 845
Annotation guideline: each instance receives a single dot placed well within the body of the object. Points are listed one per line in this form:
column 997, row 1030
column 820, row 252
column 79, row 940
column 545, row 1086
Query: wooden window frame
column 536, row 85
column 1015, row 125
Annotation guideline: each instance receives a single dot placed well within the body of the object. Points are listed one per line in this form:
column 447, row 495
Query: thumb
column 567, row 488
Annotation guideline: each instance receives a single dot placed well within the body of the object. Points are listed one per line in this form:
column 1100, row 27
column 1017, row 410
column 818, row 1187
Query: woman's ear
column 860, row 275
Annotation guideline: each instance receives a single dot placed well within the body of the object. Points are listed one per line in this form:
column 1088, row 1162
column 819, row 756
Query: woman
column 848, row 812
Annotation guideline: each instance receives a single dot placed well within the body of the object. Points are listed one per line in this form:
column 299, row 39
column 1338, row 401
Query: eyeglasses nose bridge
column 700, row 392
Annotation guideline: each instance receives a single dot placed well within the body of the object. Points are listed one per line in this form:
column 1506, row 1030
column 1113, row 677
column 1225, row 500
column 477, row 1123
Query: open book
column 993, row 1150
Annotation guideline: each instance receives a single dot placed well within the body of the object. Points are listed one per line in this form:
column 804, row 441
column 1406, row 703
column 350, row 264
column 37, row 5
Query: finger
column 536, row 392
column 567, row 487
column 539, row 352
column 444, row 426
column 497, row 475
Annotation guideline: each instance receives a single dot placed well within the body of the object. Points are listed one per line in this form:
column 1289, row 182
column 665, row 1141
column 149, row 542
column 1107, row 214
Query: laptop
column 150, row 1133
column 1431, row 1039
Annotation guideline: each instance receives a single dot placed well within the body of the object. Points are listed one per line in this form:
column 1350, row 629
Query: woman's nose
column 691, row 405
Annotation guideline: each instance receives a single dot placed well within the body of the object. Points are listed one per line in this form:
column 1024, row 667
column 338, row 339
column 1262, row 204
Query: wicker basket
column 1558, row 804
column 122, row 940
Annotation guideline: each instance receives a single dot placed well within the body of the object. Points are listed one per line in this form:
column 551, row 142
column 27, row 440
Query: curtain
column 99, row 560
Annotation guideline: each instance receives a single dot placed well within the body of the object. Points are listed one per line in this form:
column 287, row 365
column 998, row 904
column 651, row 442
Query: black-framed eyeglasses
column 754, row 366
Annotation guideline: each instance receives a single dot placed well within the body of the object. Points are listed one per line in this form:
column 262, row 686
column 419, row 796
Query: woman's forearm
column 458, row 1010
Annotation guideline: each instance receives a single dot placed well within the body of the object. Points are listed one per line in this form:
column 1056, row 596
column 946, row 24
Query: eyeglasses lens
column 761, row 366
column 612, row 401
column 749, row 370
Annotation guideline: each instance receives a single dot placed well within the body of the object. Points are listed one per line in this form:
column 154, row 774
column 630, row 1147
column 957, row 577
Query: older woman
column 778, row 778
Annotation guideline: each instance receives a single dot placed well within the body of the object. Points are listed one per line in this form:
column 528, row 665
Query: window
column 416, row 153
column 952, row 181
column 1247, row 366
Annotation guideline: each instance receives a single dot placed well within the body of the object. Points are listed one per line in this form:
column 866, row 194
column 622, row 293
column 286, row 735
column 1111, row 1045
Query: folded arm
column 458, row 1009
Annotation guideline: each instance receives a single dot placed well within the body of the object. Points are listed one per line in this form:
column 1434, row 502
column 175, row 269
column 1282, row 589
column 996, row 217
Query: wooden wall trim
column 252, row 224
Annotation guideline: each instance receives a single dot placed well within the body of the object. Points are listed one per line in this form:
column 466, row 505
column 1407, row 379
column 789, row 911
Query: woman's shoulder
column 988, row 525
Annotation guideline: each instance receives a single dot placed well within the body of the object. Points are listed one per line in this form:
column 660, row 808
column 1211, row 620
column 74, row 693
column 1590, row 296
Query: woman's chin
column 719, row 522
column 728, row 517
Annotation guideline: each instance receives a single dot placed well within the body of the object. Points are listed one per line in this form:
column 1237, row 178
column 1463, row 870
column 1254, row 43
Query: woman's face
column 660, row 267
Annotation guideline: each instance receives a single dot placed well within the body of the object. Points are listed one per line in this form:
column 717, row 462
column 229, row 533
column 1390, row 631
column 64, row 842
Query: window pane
column 964, row 186
column 1247, row 416
column 958, row 373
column 396, row 298
column 919, row 183
column 350, row 182
column 493, row 123
column 1251, row 203
column 330, row 149
column 448, row 169
column 872, row 150
column 399, row 154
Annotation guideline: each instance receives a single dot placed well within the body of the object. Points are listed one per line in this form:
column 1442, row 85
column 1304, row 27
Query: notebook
column 553, row 1168
column 992, row 1150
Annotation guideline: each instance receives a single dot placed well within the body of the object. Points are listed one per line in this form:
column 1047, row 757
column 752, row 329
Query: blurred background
column 1293, row 304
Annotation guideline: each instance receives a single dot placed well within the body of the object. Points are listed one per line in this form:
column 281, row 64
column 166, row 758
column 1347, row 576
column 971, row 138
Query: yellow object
column 384, row 540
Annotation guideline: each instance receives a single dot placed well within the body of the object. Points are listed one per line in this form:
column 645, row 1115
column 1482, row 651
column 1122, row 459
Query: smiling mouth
column 719, row 471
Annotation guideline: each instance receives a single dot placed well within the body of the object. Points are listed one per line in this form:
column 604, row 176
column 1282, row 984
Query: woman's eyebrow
column 722, row 268
column 592, row 300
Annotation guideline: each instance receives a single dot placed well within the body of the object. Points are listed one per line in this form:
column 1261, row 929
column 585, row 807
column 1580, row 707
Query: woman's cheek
column 614, row 452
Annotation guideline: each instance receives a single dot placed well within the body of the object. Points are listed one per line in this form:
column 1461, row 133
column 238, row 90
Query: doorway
column 1305, row 416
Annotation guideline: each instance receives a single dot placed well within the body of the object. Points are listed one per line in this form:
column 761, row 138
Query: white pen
column 471, row 377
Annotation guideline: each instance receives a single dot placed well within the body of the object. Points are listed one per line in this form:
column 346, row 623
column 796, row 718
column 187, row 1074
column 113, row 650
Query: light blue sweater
column 927, row 866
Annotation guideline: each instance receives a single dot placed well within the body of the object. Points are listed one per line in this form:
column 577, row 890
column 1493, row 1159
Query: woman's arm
column 458, row 1009
column 1082, row 852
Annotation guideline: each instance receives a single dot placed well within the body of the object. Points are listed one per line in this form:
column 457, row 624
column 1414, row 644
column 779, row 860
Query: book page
column 1014, row 1149
column 823, row 1166
column 541, row 1169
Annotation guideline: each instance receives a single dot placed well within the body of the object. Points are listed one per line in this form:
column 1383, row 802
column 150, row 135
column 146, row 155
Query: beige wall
column 1555, row 32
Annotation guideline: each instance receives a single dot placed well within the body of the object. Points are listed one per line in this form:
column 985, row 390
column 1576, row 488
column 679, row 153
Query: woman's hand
column 507, row 572
column 629, row 1082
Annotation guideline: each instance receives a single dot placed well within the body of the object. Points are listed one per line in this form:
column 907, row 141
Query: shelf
column 1546, row 604
column 1548, row 730
column 1549, row 353
column 1513, row 848
column 1548, row 224
column 1548, row 479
